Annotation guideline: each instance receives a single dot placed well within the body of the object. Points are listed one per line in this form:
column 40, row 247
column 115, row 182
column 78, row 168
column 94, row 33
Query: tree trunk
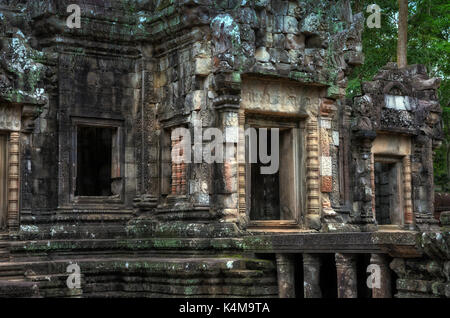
column 402, row 33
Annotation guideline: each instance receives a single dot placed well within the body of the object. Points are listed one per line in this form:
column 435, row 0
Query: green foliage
column 428, row 44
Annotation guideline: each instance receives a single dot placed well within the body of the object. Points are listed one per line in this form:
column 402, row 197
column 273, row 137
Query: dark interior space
column 362, row 262
column 394, row 278
column 384, row 187
column 298, row 276
column 328, row 276
column 265, row 189
column 94, row 160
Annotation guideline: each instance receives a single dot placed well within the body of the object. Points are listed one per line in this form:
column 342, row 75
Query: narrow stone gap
column 328, row 277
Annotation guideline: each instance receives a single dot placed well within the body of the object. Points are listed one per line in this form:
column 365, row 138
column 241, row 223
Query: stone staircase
column 157, row 277
column 13, row 283
column 4, row 251
column 34, row 272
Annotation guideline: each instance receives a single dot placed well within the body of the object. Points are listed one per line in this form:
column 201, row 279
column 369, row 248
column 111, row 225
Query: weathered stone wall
column 199, row 74
column 428, row 276
column 398, row 102
column 146, row 67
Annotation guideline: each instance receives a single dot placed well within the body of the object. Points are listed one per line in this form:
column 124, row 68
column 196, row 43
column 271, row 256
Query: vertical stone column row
column 285, row 274
column 311, row 276
column 312, row 175
column 427, row 216
column 326, row 175
column 230, row 168
column 384, row 279
column 227, row 173
column 346, row 275
column 13, row 181
column 372, row 183
column 327, row 110
column 363, row 190
column 407, row 190
column 344, row 154
column 178, row 169
column 241, row 165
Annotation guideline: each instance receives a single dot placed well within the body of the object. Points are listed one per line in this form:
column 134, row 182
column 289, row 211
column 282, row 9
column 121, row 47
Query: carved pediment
column 395, row 101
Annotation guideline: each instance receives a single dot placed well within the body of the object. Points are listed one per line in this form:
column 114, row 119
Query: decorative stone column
column 407, row 190
column 346, row 275
column 327, row 111
column 227, row 173
column 384, row 290
column 13, row 181
column 313, row 175
column 363, row 189
column 311, row 276
column 285, row 273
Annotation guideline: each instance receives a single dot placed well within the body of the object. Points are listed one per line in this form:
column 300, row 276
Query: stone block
column 295, row 42
column 310, row 24
column 93, row 79
column 262, row 55
column 278, row 56
column 195, row 100
column 325, row 166
column 278, row 26
column 279, row 41
column 290, row 25
column 335, row 137
column 203, row 66
column 327, row 184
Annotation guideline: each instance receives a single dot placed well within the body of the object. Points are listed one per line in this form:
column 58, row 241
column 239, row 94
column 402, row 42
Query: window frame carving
column 297, row 125
column 117, row 159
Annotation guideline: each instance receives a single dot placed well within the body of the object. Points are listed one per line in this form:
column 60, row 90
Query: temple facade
column 89, row 185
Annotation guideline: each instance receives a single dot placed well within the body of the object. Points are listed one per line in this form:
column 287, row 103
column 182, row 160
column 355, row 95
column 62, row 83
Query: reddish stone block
column 327, row 184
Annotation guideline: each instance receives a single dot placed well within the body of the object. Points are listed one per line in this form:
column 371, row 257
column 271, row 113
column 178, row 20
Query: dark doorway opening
column 273, row 194
column 94, row 161
column 388, row 197
column 265, row 190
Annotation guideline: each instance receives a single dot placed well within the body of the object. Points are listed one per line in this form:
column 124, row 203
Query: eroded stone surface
column 144, row 68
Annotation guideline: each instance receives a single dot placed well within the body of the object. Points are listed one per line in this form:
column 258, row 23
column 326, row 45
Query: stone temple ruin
column 87, row 178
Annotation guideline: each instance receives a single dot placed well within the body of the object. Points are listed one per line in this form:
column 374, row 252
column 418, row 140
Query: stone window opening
column 389, row 202
column 273, row 200
column 3, row 181
column 97, row 160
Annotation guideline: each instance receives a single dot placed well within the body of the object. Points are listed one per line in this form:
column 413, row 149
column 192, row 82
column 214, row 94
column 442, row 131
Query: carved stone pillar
column 363, row 189
column 313, row 175
column 327, row 111
column 285, row 273
column 227, row 173
column 13, row 181
column 241, row 166
column 407, row 190
column 311, row 276
column 346, row 275
column 384, row 290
